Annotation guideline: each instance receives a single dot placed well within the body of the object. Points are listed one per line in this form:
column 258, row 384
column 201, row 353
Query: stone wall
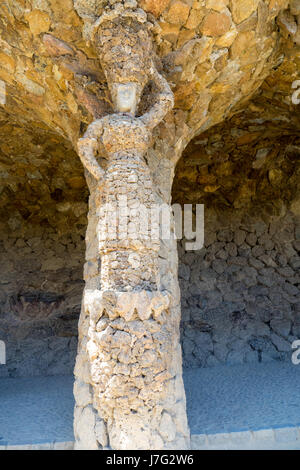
column 40, row 295
column 252, row 158
column 43, row 206
column 240, row 293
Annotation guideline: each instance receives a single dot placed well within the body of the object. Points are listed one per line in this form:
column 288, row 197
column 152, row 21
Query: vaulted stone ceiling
column 223, row 58
column 251, row 159
column 250, row 163
column 41, row 179
column 215, row 53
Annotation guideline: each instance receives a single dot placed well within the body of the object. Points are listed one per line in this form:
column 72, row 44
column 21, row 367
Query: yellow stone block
column 7, row 62
column 242, row 9
column 215, row 24
column 39, row 22
column 217, row 5
column 156, row 7
column 195, row 18
column 178, row 13
column 227, row 39
column 219, row 88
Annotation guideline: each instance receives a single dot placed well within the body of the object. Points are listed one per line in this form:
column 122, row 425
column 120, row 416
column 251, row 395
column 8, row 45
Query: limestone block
column 178, row 13
column 215, row 24
column 39, row 21
column 242, row 9
column 156, row 7
column 217, row 5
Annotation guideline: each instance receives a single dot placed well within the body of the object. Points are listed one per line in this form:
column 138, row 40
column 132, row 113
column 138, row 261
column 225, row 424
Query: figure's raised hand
column 164, row 101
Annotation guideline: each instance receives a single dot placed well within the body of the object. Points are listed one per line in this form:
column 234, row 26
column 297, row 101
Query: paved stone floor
column 244, row 406
column 253, row 406
column 36, row 410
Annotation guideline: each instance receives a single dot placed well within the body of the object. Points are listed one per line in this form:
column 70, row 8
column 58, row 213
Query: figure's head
column 125, row 96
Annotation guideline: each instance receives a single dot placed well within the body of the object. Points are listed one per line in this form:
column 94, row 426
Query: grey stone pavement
column 251, row 406
column 36, row 410
column 244, row 406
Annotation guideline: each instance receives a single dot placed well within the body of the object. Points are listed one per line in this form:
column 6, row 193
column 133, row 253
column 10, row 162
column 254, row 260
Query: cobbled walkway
column 251, row 406
column 244, row 406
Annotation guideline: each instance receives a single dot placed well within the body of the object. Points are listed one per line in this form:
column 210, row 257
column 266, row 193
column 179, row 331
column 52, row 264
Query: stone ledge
column 280, row 438
column 69, row 445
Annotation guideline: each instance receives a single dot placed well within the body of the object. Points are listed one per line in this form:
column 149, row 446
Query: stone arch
column 42, row 226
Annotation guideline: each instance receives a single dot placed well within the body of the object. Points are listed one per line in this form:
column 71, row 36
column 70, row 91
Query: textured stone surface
column 215, row 24
column 41, row 288
column 242, row 9
column 36, row 411
column 66, row 90
column 129, row 348
column 240, row 293
column 42, row 251
column 255, row 397
column 51, row 423
column 238, row 303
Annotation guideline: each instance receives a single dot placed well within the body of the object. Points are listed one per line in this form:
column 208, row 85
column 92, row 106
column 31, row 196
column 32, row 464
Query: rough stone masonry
column 129, row 390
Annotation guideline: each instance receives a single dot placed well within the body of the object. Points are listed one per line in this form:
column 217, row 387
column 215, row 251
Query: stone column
column 128, row 390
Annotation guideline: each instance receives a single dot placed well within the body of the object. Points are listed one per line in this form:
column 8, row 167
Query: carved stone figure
column 129, row 331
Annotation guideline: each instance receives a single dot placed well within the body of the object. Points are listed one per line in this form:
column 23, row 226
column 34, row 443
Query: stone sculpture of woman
column 129, row 337
column 125, row 52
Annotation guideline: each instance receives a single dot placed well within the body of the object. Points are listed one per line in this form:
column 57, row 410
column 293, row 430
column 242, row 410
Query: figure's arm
column 164, row 104
column 87, row 147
